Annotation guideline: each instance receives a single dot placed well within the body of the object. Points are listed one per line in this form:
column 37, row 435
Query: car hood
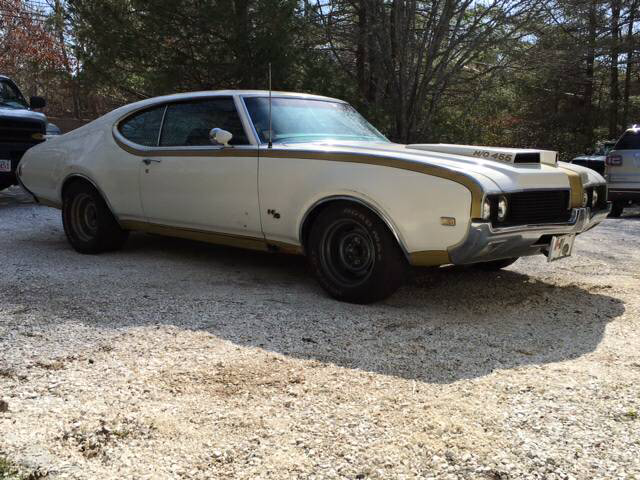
column 22, row 114
column 591, row 158
column 492, row 175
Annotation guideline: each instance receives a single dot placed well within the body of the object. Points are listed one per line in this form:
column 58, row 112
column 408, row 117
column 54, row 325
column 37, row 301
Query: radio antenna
column 270, row 129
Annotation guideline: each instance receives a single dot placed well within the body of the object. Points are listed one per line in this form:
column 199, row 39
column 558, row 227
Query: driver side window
column 9, row 93
column 189, row 123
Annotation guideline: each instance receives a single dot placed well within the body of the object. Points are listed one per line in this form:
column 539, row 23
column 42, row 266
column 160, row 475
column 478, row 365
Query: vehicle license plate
column 5, row 165
column 561, row 247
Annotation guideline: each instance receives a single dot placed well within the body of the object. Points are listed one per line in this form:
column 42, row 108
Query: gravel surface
column 173, row 359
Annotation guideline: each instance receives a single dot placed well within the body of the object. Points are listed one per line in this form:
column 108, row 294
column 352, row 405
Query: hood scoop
column 511, row 156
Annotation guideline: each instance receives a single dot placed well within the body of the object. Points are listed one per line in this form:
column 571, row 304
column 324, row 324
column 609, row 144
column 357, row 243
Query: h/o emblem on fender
column 273, row 213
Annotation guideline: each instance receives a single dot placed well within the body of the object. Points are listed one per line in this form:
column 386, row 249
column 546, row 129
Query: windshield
column 10, row 96
column 299, row 120
column 603, row 149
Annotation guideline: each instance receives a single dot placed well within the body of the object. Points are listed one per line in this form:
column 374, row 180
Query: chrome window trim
column 245, row 118
column 254, row 132
column 121, row 138
column 164, row 114
column 303, row 96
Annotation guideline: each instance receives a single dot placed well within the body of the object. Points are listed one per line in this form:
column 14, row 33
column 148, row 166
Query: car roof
column 150, row 102
column 244, row 93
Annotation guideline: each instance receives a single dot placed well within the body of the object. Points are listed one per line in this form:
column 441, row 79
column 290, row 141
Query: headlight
column 502, row 208
column 486, row 209
column 594, row 199
column 53, row 129
column 585, row 199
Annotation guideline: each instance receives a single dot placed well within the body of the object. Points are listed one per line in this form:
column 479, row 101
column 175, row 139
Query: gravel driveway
column 173, row 359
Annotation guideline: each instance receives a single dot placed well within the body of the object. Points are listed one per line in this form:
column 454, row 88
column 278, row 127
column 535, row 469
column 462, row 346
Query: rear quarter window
column 629, row 141
column 143, row 127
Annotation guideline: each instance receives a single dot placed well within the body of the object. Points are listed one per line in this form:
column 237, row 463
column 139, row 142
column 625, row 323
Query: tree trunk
column 627, row 76
column 362, row 47
column 246, row 74
column 588, row 90
column 614, row 90
column 71, row 82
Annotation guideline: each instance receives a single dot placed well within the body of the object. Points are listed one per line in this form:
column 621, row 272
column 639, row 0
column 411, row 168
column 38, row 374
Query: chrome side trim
column 385, row 218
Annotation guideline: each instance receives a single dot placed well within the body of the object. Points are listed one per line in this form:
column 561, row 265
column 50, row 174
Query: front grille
column 20, row 131
column 534, row 207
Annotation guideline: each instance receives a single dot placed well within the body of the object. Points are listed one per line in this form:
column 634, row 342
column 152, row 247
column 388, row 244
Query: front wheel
column 617, row 209
column 353, row 254
column 88, row 223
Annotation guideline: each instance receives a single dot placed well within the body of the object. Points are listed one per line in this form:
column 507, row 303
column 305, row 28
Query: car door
column 189, row 182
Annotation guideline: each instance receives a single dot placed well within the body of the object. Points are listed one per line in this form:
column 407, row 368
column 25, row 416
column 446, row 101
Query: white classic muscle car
column 308, row 175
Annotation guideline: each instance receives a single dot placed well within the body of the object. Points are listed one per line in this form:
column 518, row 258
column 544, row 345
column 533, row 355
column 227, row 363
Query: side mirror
column 220, row 136
column 37, row 102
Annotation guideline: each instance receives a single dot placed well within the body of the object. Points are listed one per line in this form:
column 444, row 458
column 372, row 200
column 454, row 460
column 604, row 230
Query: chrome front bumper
column 485, row 243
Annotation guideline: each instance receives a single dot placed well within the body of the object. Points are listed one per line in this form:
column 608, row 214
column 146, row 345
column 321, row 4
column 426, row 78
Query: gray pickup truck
column 623, row 171
column 20, row 128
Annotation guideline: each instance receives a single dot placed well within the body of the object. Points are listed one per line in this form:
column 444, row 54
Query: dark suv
column 20, row 128
column 595, row 159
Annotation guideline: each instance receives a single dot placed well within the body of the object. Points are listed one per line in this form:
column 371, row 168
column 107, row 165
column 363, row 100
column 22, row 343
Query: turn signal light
column 614, row 160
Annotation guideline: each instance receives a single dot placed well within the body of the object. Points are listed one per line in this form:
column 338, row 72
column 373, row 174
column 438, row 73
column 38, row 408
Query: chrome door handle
column 147, row 161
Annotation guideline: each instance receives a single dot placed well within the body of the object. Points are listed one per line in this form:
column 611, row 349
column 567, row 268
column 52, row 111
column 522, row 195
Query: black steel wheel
column 353, row 254
column 88, row 223
column 347, row 253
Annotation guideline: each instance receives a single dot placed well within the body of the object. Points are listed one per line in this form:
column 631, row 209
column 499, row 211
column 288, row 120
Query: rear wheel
column 88, row 223
column 353, row 254
column 617, row 209
column 495, row 265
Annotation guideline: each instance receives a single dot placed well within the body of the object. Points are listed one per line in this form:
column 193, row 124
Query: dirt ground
column 173, row 359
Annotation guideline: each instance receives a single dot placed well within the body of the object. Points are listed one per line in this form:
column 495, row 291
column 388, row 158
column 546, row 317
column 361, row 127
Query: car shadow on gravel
column 630, row 213
column 14, row 196
column 446, row 324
